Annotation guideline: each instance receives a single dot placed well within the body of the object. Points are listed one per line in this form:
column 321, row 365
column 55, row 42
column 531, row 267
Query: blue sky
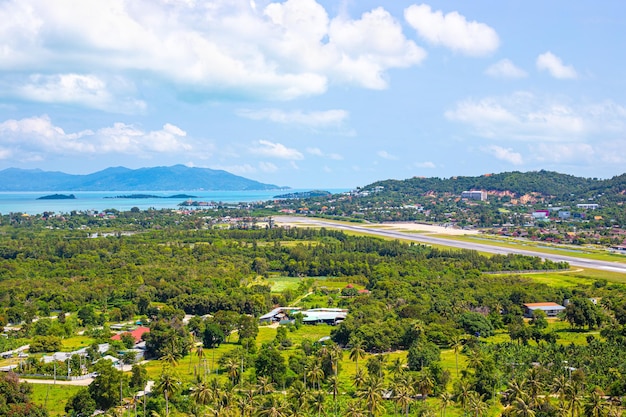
column 314, row 94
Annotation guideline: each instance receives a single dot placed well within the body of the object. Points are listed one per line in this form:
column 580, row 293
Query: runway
column 431, row 240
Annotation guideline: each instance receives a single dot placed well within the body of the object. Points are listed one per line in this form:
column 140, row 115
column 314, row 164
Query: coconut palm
column 515, row 389
column 477, row 404
column 397, row 367
column 457, row 346
column 232, row 370
column 201, row 393
column 357, row 352
column 446, row 400
column 595, row 406
column 354, row 409
column 274, row 406
column 333, row 386
column 168, row 385
column 298, row 395
column 359, row 379
column 573, row 398
column 425, row 383
column 264, row 385
column 463, row 388
column 534, row 384
column 559, row 385
column 316, row 403
column 371, row 394
column 316, row 374
column 404, row 397
column 522, row 407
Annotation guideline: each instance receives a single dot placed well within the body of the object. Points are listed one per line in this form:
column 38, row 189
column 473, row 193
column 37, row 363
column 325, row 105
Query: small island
column 303, row 194
column 58, row 197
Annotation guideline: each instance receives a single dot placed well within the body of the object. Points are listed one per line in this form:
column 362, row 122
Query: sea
column 29, row 203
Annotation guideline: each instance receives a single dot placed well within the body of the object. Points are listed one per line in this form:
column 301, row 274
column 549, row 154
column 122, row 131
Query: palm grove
column 384, row 359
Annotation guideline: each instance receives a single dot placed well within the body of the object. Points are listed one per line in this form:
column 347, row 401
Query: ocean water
column 27, row 202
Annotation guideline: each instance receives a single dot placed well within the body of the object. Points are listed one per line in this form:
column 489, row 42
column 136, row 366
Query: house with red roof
column 136, row 334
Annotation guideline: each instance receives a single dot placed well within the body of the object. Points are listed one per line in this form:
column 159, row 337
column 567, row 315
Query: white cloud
column 318, row 119
column 82, row 89
column 564, row 153
column 553, row 64
column 425, row 164
column 556, row 129
column 279, row 50
column 505, row 154
column 267, row 167
column 524, row 116
column 386, row 155
column 36, row 137
column 276, row 150
column 452, row 30
column 505, row 69
column 321, row 154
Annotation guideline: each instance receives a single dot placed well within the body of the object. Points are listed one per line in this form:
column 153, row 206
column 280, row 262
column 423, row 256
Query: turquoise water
column 26, row 202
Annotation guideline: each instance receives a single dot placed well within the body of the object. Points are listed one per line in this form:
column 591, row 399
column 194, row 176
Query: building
column 136, row 334
column 588, row 206
column 551, row 309
column 278, row 314
column 474, row 195
column 330, row 316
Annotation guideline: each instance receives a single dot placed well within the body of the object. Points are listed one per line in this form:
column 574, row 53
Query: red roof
column 136, row 334
column 536, row 305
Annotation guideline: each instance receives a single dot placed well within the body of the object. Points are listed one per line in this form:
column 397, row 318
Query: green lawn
column 53, row 397
column 76, row 342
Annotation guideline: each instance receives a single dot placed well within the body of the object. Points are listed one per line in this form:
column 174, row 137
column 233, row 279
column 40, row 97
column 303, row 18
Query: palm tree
column 201, row 393
column 573, row 397
column 359, row 379
column 372, row 395
column 333, row 385
column 354, row 409
column 425, row 383
column 273, row 407
column 264, row 385
column 357, row 352
column 516, row 389
column 397, row 367
column 595, row 405
column 316, row 374
column 463, row 389
column 298, row 395
column 404, row 397
column 168, row 384
column 523, row 408
column 446, row 400
column 559, row 385
column 477, row 404
column 316, row 402
column 457, row 346
column 535, row 385
column 233, row 370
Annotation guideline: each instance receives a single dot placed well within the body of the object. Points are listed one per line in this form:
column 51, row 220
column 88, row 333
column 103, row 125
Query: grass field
column 77, row 342
column 53, row 397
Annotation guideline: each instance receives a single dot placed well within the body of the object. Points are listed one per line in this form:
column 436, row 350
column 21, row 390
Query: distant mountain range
column 177, row 177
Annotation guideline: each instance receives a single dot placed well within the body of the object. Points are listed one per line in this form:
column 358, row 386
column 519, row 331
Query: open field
column 53, row 397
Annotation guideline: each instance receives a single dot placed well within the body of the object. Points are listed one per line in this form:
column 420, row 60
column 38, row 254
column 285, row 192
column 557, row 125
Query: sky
column 315, row 94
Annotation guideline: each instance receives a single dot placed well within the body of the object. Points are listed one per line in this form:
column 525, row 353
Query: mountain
column 177, row 177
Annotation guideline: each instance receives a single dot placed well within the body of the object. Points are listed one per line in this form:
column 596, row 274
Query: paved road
column 579, row 262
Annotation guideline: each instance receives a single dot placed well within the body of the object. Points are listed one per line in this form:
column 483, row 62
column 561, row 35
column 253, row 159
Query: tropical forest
column 165, row 313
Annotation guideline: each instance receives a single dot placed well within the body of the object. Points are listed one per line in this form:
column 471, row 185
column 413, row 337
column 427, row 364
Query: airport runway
column 573, row 261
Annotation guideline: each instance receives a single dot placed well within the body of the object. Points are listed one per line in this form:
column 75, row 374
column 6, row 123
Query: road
column 431, row 240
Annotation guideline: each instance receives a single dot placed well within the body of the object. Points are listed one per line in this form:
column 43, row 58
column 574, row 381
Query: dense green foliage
column 420, row 301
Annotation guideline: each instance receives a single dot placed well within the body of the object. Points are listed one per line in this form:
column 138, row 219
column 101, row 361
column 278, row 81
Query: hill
column 177, row 177
column 545, row 183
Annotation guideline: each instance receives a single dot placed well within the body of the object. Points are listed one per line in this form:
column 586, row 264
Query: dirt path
column 77, row 382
